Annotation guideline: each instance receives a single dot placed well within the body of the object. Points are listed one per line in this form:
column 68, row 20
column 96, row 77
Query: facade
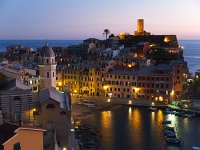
column 54, row 116
column 157, row 83
column 120, row 83
column 13, row 137
column 17, row 104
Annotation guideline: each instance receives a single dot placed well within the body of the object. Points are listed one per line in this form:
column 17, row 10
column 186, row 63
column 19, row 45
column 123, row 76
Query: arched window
column 47, row 74
column 50, row 106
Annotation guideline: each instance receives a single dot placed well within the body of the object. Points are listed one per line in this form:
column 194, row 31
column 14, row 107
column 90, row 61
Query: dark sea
column 129, row 128
column 191, row 48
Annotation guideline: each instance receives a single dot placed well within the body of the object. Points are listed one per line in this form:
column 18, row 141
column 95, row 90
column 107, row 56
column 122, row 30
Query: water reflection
column 130, row 113
column 106, row 119
column 127, row 128
column 160, row 116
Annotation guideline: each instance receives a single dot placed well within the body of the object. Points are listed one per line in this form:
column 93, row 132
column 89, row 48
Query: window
column 17, row 146
column 52, row 60
column 47, row 61
column 47, row 74
column 53, row 74
column 50, row 106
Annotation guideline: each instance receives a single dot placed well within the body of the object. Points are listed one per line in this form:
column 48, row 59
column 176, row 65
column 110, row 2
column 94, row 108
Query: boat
column 195, row 148
column 173, row 141
column 91, row 105
column 152, row 108
column 166, row 122
column 167, row 112
column 169, row 129
column 174, row 112
column 188, row 115
column 170, row 134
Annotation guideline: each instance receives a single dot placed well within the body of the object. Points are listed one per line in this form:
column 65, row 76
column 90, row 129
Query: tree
column 111, row 35
column 106, row 32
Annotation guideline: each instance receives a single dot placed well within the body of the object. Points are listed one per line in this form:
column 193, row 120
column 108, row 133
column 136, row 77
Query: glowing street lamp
column 108, row 100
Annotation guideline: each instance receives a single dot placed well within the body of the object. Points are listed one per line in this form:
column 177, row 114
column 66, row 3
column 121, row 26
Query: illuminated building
column 47, row 68
column 140, row 28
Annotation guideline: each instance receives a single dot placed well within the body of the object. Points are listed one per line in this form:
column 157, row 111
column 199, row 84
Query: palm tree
column 106, row 32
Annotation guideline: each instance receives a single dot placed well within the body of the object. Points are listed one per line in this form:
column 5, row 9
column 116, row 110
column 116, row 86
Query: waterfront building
column 120, row 83
column 20, row 137
column 157, row 83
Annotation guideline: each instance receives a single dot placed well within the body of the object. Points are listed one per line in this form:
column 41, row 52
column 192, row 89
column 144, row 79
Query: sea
column 191, row 48
column 132, row 128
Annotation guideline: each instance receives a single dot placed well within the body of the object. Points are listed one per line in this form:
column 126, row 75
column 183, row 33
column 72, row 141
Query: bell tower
column 47, row 68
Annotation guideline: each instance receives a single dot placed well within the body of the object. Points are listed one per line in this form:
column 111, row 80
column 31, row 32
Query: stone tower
column 47, row 68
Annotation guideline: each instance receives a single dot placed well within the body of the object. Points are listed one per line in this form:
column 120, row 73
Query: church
column 53, row 111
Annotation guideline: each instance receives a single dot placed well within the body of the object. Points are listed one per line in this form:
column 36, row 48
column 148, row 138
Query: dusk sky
column 80, row 19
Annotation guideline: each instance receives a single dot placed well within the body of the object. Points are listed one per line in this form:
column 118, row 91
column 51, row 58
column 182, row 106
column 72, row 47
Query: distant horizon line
column 75, row 39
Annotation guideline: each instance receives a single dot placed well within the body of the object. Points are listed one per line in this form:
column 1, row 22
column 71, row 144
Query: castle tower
column 140, row 25
column 47, row 68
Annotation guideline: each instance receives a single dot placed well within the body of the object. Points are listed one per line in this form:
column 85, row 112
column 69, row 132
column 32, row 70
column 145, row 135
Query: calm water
column 37, row 43
column 191, row 48
column 192, row 54
column 127, row 128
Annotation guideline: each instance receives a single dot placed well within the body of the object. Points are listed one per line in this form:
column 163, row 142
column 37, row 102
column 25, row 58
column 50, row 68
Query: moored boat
column 166, row 122
column 173, row 141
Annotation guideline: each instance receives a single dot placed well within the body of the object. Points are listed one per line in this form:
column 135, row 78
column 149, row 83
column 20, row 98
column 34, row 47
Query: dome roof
column 47, row 51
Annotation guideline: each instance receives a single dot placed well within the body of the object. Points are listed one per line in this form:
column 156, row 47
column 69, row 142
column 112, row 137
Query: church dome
column 47, row 51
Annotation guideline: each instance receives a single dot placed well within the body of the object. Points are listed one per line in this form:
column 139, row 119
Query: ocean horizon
column 191, row 48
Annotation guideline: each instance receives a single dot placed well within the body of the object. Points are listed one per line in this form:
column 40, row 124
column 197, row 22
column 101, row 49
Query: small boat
column 152, row 108
column 167, row 112
column 195, row 148
column 173, row 141
column 174, row 112
column 188, row 115
column 166, row 122
column 169, row 129
column 170, row 134
column 91, row 106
